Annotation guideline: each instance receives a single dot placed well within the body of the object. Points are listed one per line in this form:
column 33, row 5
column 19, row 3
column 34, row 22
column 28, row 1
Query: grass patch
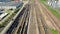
column 54, row 31
column 9, row 11
column 24, row 0
column 42, row 1
column 53, row 11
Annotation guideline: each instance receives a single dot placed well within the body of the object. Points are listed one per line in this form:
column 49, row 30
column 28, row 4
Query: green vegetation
column 56, row 14
column 24, row 0
column 54, row 31
column 9, row 11
column 51, row 9
column 7, row 19
column 42, row 1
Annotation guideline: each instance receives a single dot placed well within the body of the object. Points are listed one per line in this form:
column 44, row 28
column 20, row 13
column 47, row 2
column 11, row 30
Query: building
column 10, row 5
column 58, row 3
column 54, row 3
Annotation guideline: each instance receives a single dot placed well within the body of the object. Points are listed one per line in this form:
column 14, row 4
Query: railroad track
column 51, row 17
column 39, row 24
column 32, row 26
column 20, row 23
column 41, row 21
column 32, row 20
column 22, row 26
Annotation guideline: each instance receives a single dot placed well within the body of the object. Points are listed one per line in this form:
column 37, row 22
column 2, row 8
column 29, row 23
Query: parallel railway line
column 19, row 24
column 41, row 22
column 32, row 20
column 42, row 29
column 52, row 18
column 32, row 26
column 22, row 23
column 45, row 27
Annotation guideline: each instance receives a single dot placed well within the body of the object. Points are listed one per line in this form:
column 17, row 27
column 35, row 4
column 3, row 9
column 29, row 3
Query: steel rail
column 11, row 22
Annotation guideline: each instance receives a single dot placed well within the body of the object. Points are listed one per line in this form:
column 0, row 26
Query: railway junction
column 31, row 17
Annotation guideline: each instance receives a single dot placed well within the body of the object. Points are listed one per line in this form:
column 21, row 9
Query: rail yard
column 32, row 18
